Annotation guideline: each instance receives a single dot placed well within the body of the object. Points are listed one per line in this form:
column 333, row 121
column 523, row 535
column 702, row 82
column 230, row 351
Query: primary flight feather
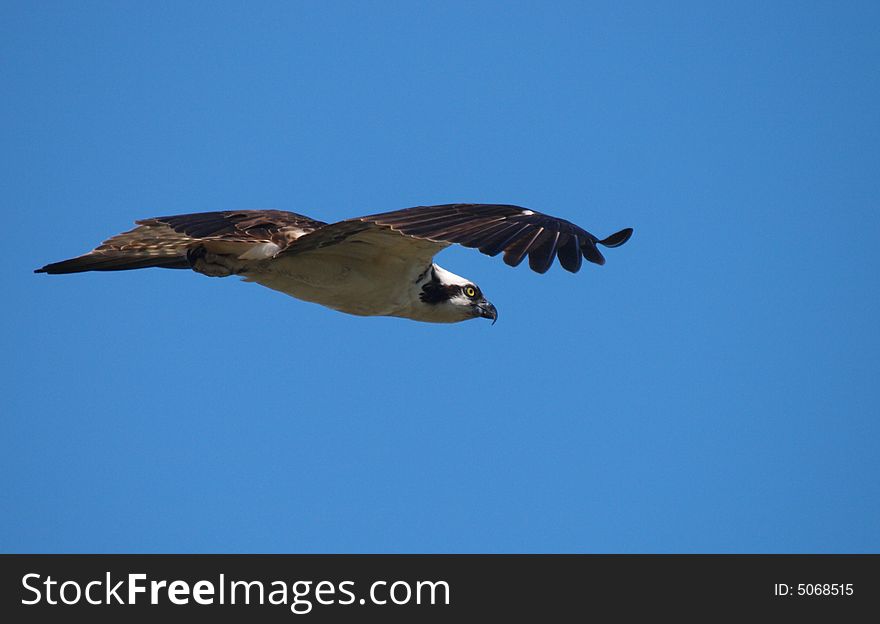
column 377, row 265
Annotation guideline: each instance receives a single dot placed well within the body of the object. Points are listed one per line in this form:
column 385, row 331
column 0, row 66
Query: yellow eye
column 469, row 291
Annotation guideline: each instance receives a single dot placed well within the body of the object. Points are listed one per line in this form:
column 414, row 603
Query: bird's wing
column 491, row 228
column 365, row 242
column 164, row 241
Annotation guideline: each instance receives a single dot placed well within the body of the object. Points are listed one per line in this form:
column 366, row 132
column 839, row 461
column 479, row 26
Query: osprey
column 378, row 265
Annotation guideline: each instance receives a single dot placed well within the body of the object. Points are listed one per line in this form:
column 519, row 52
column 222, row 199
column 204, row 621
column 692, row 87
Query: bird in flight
column 377, row 265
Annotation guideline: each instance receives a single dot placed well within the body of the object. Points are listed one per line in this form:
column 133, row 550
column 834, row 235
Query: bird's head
column 449, row 298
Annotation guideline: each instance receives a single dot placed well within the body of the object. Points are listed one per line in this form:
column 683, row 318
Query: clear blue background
column 713, row 388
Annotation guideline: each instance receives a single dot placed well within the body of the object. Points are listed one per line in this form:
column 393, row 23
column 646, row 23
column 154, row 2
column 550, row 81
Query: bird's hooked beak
column 487, row 310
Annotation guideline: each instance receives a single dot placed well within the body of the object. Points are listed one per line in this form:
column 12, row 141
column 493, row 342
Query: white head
column 444, row 297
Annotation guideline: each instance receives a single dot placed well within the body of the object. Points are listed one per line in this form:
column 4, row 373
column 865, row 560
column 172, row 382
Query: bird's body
column 378, row 265
column 355, row 282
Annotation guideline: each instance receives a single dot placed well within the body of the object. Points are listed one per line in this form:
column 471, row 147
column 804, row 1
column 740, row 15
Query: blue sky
column 713, row 388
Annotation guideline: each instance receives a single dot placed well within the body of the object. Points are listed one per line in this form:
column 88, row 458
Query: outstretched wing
column 164, row 241
column 491, row 228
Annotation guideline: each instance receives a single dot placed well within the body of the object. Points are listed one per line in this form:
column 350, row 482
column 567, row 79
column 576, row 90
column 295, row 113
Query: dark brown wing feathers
column 493, row 228
column 274, row 226
column 164, row 241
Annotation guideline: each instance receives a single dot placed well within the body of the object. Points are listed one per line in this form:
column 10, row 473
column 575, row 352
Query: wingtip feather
column 617, row 239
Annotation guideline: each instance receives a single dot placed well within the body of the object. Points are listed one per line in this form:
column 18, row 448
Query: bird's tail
column 151, row 244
